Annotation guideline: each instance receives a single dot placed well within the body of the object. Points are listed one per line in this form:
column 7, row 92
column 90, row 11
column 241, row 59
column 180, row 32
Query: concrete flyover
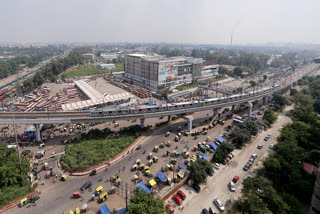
column 85, row 117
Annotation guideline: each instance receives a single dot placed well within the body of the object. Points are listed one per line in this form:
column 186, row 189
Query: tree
column 269, row 117
column 250, row 126
column 240, row 136
column 238, row 71
column 281, row 100
column 222, row 151
column 144, row 203
column 253, row 83
column 200, row 170
column 265, row 77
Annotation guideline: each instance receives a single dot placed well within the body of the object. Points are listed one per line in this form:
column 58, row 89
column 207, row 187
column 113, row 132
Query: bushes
column 11, row 193
column 269, row 117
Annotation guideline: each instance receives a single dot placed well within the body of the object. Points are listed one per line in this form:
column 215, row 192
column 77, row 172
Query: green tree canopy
column 144, row 203
column 200, row 170
column 222, row 151
column 269, row 117
column 250, row 126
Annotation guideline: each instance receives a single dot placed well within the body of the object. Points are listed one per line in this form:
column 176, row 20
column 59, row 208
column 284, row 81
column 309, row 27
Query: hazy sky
column 174, row 21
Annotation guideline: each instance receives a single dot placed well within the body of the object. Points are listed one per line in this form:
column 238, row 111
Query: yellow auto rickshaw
column 46, row 165
column 167, row 134
column 155, row 159
column 145, row 168
column 168, row 143
column 103, row 197
column 186, row 134
column 77, row 210
column 150, row 162
column 23, row 202
column 150, row 156
column 162, row 145
column 134, row 167
column 118, row 182
column 156, row 149
column 115, row 177
column 64, row 177
column 99, row 190
column 71, row 212
column 141, row 167
column 138, row 162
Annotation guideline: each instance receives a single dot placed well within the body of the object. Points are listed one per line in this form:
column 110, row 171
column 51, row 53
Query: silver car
column 219, row 204
column 232, row 186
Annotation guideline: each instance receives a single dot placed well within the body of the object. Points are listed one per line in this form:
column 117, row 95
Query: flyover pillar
column 87, row 128
column 189, row 126
column 250, row 109
column 215, row 114
column 142, row 122
column 169, row 118
column 38, row 135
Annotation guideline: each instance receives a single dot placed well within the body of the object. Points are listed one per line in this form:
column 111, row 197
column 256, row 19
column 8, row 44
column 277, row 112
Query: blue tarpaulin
column 213, row 145
column 30, row 134
column 182, row 166
column 104, row 209
column 161, row 176
column 123, row 210
column 207, row 97
column 221, row 139
column 205, row 157
column 150, row 102
column 253, row 117
column 142, row 186
column 199, row 155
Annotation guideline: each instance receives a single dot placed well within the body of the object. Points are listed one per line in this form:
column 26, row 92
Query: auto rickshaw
column 150, row 156
column 48, row 173
column 141, row 167
column 148, row 173
column 186, row 155
column 76, row 195
column 155, row 159
column 179, row 128
column 99, row 190
column 71, row 212
column 205, row 132
column 64, row 177
column 112, row 190
column 145, row 168
column 138, row 162
column 118, row 182
column 103, row 197
column 156, row 149
column 77, row 210
column 176, row 138
column 150, row 162
column 23, row 202
column 186, row 134
column 173, row 160
column 162, row 145
column 115, row 177
column 167, row 134
column 134, row 167
column 46, row 165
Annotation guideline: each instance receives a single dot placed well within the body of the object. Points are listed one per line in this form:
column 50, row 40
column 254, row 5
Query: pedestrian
column 124, row 168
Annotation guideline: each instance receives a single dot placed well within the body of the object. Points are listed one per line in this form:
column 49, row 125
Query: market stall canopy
column 181, row 173
column 162, row 177
column 104, row 209
column 142, row 186
column 182, row 166
column 213, row 145
column 152, row 182
column 221, row 139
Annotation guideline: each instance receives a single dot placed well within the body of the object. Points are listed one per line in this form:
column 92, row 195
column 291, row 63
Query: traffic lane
column 217, row 185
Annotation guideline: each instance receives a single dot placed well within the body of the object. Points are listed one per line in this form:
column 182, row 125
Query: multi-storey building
column 158, row 71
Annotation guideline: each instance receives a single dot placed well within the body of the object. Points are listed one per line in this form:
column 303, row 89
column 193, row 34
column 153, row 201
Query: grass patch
column 215, row 79
column 91, row 150
column 186, row 86
column 91, row 70
column 11, row 193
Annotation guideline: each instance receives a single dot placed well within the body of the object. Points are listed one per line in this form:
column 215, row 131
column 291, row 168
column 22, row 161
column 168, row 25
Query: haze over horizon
column 179, row 21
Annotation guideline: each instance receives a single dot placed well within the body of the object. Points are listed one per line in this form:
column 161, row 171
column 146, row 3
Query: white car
column 271, row 146
column 216, row 165
column 219, row 204
column 232, row 186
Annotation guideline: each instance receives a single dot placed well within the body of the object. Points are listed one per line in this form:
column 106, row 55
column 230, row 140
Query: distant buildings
column 160, row 71
column 315, row 201
column 106, row 66
column 210, row 68
column 316, row 60
column 109, row 56
column 89, row 56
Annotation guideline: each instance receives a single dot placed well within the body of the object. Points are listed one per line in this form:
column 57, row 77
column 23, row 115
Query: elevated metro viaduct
column 38, row 118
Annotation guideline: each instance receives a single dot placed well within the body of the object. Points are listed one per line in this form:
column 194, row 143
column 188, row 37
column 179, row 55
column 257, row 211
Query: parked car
column 235, row 179
column 271, row 146
column 232, row 187
column 34, row 198
column 216, row 165
column 219, row 204
column 177, row 199
column 254, row 156
column 181, row 194
column 205, row 211
column 93, row 172
column 196, row 188
column 260, row 146
column 212, row 210
column 266, row 138
column 86, row 185
column 170, row 209
column 246, row 167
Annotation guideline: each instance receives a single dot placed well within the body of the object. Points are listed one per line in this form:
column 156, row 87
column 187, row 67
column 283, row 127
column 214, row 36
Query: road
column 217, row 184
